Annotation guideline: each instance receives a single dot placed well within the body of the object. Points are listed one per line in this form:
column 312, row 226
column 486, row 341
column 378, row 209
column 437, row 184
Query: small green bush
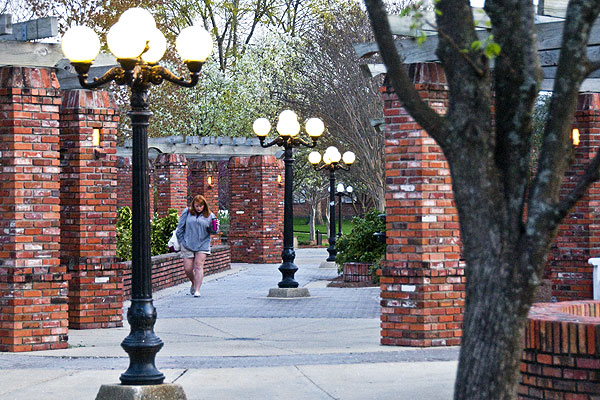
column 223, row 216
column 124, row 233
column 360, row 245
column 161, row 230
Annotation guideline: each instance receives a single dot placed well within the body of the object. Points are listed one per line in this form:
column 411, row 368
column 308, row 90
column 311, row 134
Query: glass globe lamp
column 314, row 157
column 349, row 158
column 287, row 124
column 314, row 127
column 261, row 127
column 194, row 44
column 335, row 156
column 125, row 41
column 140, row 18
column 157, row 45
column 80, row 44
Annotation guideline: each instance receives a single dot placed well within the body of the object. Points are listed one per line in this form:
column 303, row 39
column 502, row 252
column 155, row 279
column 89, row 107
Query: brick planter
column 167, row 269
column 561, row 352
column 357, row 272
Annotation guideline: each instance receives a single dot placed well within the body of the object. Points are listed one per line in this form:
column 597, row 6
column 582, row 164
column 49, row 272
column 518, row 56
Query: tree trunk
column 498, row 281
column 326, row 218
column 380, row 199
column 311, row 222
column 319, row 213
column 492, row 337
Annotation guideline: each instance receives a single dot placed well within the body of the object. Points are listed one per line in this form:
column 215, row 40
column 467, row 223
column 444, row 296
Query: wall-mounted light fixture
column 575, row 136
column 96, row 137
column 279, row 179
column 209, row 180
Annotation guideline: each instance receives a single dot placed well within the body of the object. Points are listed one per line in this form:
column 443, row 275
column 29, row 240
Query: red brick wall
column 561, row 356
column 170, row 178
column 357, row 272
column 124, row 181
column 88, row 209
column 422, row 280
column 33, row 284
column 578, row 237
column 167, row 269
column 198, row 174
column 256, row 211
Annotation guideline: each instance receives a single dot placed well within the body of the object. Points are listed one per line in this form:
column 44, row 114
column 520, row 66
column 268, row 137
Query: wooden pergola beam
column 549, row 37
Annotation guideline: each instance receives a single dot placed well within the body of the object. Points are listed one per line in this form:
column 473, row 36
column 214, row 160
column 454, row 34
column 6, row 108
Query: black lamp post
column 288, row 129
column 341, row 192
column 331, row 161
column 138, row 46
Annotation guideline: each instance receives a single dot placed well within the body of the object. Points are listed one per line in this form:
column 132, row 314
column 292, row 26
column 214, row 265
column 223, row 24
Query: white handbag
column 173, row 242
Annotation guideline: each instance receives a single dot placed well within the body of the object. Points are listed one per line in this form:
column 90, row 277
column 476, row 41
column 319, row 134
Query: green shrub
column 124, row 233
column 161, row 230
column 360, row 245
column 223, row 216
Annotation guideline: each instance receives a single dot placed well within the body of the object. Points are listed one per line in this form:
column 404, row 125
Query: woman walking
column 193, row 233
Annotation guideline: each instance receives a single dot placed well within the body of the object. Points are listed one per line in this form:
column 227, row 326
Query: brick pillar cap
column 238, row 162
column 87, row 99
column 28, row 77
column 196, row 165
column 170, row 159
column 265, row 161
column 588, row 101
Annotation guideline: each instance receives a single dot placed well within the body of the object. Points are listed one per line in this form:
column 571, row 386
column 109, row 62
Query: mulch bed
column 339, row 282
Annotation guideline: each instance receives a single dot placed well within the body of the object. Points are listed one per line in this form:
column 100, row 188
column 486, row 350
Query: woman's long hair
column 200, row 200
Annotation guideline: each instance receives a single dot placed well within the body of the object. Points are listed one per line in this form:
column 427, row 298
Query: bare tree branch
column 591, row 175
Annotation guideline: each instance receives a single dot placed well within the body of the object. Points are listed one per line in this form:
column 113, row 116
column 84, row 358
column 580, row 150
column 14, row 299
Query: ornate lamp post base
column 288, row 293
column 166, row 391
column 328, row 264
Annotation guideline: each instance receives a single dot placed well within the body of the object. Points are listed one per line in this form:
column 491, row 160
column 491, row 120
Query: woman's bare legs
column 198, row 271
column 188, row 267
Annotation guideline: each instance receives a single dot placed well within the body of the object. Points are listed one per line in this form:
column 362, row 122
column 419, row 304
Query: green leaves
column 488, row 47
column 124, row 233
column 492, row 50
column 161, row 230
column 360, row 245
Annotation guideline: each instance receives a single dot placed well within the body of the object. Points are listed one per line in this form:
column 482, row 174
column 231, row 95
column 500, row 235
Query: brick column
column 170, row 178
column 578, row 236
column 33, row 284
column 422, row 280
column 124, row 182
column 89, row 209
column 256, row 211
column 198, row 182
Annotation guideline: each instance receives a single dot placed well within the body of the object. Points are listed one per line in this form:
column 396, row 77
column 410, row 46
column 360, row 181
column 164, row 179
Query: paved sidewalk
column 235, row 343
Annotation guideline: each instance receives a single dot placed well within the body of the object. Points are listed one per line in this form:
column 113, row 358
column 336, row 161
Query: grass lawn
column 301, row 230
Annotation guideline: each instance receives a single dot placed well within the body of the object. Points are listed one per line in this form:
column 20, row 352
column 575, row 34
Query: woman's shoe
column 192, row 289
column 196, row 294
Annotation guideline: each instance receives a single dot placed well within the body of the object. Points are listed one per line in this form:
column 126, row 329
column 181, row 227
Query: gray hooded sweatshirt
column 193, row 231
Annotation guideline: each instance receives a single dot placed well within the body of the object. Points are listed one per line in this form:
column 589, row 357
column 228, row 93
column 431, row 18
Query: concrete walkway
column 235, row 343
